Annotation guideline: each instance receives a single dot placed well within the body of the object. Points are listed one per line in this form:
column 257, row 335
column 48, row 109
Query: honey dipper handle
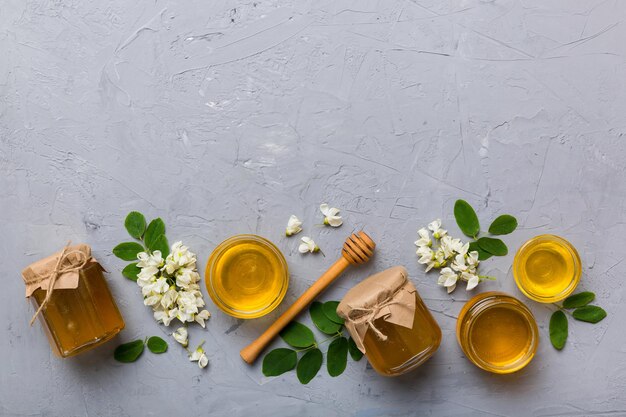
column 254, row 349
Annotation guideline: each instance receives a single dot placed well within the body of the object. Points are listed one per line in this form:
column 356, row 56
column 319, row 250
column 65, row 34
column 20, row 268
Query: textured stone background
column 225, row 117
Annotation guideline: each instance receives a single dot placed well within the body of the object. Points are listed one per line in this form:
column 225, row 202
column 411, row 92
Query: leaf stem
column 562, row 309
column 317, row 345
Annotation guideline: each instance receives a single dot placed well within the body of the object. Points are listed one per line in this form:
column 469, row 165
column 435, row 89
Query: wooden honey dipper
column 357, row 249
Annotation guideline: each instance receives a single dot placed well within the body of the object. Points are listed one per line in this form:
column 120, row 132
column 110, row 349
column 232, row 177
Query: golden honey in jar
column 247, row 276
column 497, row 332
column 547, row 268
column 390, row 323
column 80, row 313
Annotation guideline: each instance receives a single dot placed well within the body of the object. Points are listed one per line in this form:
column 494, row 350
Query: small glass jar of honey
column 390, row 323
column 76, row 309
column 247, row 276
column 547, row 268
column 497, row 332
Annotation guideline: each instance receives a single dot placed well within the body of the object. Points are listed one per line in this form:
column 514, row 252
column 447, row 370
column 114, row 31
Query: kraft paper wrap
column 388, row 295
column 38, row 275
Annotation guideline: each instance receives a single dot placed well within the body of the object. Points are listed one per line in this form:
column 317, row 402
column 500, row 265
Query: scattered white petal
column 293, row 226
column 331, row 215
column 308, row 245
column 181, row 336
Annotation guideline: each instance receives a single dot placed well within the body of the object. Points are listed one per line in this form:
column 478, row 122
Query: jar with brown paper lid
column 72, row 300
column 390, row 323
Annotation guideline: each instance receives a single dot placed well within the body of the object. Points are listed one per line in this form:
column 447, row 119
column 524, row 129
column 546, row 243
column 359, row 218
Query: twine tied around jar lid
column 60, row 270
column 388, row 295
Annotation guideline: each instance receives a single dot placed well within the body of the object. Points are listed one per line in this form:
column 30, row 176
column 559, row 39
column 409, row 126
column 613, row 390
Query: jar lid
column 37, row 275
column 388, row 295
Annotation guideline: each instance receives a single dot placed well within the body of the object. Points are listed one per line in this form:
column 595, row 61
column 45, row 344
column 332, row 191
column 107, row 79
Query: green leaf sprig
column 131, row 351
column 466, row 218
column 152, row 238
column 582, row 312
column 301, row 337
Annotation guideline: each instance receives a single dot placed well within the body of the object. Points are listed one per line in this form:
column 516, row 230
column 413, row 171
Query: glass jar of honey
column 247, row 276
column 390, row 323
column 73, row 301
column 547, row 268
column 497, row 332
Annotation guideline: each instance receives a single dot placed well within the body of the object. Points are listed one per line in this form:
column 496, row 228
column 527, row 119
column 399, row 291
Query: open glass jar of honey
column 247, row 276
column 547, row 268
column 73, row 301
column 497, row 332
column 390, row 323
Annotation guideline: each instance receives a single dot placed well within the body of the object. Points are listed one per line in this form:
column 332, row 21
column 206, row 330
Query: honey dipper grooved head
column 358, row 248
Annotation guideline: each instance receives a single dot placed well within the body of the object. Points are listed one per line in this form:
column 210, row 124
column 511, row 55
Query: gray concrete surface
column 226, row 117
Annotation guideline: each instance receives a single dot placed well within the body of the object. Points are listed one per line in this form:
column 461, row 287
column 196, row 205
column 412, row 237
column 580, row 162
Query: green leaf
column 157, row 345
column 155, row 229
column 135, row 224
column 309, row 365
column 298, row 335
column 131, row 271
column 558, row 329
column 355, row 353
column 466, row 218
column 330, row 311
column 127, row 251
column 590, row 314
column 337, row 356
column 279, row 361
column 493, row 246
column 321, row 321
column 503, row 225
column 579, row 300
column 482, row 254
column 128, row 352
column 161, row 245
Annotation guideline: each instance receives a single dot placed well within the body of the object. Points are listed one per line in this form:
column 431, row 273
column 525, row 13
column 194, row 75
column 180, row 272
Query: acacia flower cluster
column 451, row 256
column 170, row 286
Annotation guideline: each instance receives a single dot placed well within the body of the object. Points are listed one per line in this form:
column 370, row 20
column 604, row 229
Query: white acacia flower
column 199, row 356
column 186, row 278
column 152, row 300
column 450, row 246
column 331, row 217
column 181, row 336
column 293, row 226
column 424, row 239
column 145, row 260
column 426, row 255
column 435, row 227
column 169, row 298
column 308, row 245
column 448, row 277
column 180, row 257
column 459, row 264
column 472, row 280
column 472, row 260
column 202, row 316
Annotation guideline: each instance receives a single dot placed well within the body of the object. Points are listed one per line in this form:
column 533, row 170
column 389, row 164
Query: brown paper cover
column 38, row 274
column 388, row 295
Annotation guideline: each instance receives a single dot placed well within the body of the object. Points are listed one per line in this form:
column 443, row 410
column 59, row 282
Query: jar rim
column 216, row 255
column 571, row 250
